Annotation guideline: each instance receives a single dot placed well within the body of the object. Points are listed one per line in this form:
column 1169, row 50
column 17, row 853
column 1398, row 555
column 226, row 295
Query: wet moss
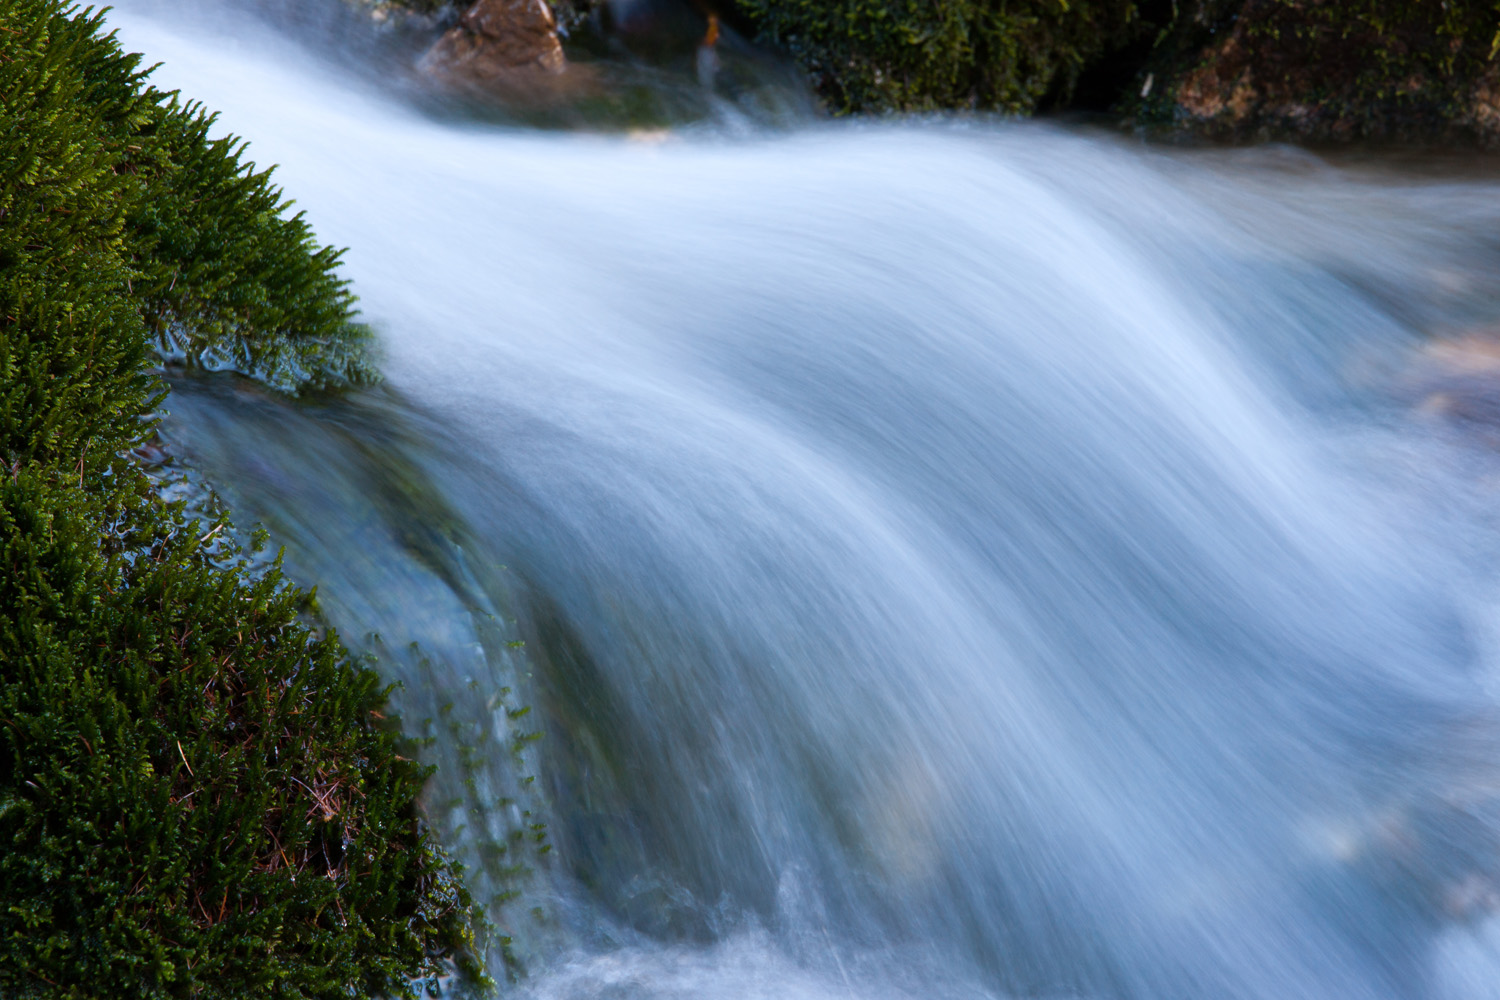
column 1239, row 69
column 998, row 55
column 197, row 798
column 1234, row 69
column 1314, row 69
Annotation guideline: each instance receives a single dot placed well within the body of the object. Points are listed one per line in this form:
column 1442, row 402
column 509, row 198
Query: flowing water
column 942, row 559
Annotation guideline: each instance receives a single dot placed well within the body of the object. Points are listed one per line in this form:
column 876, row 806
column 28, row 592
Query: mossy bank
column 196, row 796
column 1232, row 69
column 1384, row 70
column 1241, row 70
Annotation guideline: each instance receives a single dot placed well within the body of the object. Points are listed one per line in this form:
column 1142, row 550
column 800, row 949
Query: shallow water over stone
column 949, row 559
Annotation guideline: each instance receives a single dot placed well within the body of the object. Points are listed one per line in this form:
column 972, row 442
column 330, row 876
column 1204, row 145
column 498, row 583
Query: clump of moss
column 1001, row 55
column 196, row 798
column 114, row 173
column 1315, row 69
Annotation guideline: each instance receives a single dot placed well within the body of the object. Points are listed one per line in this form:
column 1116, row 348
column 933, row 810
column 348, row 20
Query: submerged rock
column 505, row 44
column 1457, row 379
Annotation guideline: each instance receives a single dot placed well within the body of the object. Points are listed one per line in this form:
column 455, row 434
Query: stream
column 941, row 559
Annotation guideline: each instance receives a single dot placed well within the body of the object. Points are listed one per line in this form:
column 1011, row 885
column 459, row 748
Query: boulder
column 1321, row 70
column 1456, row 379
column 499, row 43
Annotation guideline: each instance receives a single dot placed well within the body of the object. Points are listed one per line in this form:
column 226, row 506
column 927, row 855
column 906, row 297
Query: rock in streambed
column 508, row 45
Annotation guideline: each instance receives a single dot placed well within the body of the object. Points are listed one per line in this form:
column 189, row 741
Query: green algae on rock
column 1224, row 69
column 197, row 796
column 1316, row 70
column 879, row 55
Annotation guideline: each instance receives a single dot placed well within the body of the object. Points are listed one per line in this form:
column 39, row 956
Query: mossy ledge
column 1236, row 70
column 1382, row 70
column 925, row 55
column 1226, row 69
column 197, row 798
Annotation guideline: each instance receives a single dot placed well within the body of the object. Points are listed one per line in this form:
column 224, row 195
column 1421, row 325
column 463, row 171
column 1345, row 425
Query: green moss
column 106, row 171
column 1313, row 68
column 1005, row 55
column 1347, row 70
column 195, row 798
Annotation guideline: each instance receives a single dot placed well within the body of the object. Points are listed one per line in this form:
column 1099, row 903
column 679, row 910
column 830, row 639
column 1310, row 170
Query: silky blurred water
column 943, row 559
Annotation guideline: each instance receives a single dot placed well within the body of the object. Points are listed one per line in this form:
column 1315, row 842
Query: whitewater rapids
column 954, row 559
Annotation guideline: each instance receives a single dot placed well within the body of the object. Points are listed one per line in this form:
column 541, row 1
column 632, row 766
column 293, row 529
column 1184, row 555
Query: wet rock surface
column 505, row 44
column 1456, row 379
column 1249, row 70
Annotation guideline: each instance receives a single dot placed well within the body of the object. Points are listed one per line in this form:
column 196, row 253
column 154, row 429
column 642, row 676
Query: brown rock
column 1485, row 107
column 499, row 43
column 1331, row 69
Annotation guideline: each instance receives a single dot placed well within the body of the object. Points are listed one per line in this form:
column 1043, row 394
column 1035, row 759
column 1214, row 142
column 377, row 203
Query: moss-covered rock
column 1230, row 69
column 919, row 55
column 195, row 797
column 1002, row 55
column 1312, row 69
column 1326, row 70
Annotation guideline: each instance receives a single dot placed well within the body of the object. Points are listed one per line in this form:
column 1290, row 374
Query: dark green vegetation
column 1237, row 69
column 1385, row 69
column 196, row 799
column 1002, row 55
column 1231, row 68
column 1335, row 69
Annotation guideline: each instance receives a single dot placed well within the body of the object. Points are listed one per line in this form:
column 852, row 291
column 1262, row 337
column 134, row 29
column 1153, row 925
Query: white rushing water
column 954, row 560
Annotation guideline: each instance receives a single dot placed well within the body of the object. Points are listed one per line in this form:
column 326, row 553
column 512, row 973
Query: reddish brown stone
column 499, row 43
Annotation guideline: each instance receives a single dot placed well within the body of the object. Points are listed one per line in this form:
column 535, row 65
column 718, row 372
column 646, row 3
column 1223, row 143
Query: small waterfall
column 948, row 559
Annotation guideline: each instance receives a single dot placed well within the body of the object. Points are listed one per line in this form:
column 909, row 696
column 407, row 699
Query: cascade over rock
column 944, row 559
